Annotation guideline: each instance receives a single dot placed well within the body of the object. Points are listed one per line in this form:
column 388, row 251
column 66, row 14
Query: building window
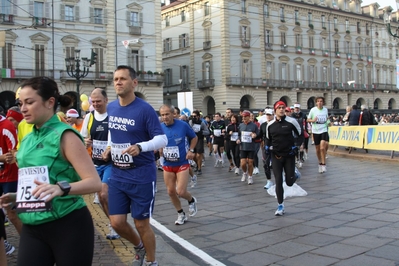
column 246, row 69
column 268, row 37
column 283, row 39
column 6, row 7
column 167, row 45
column 376, row 51
column 184, row 41
column 347, row 47
column 266, row 11
column 347, row 26
column 134, row 60
column 207, row 70
column 390, row 53
column 367, row 29
column 336, row 46
column 323, row 22
column 325, row 74
column 207, row 9
column 167, row 21
column 282, row 16
column 38, row 9
column 183, row 16
column 310, row 19
column 245, row 36
column 69, row 16
column 184, row 75
column 284, row 74
column 98, row 16
column 136, row 19
column 312, row 73
column 99, row 65
column 296, row 15
column 298, row 40
column 243, row 7
column 298, row 72
column 335, row 24
column 345, row 5
column 323, row 43
column 311, row 42
column 7, row 56
column 39, row 60
column 359, row 30
column 336, row 74
column 168, row 77
column 269, row 70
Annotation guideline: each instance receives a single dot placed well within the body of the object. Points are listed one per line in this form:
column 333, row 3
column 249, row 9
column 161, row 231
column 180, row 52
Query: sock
column 191, row 201
column 180, row 211
column 139, row 246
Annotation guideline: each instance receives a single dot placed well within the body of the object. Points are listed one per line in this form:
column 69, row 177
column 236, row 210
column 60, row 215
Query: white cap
column 297, row 105
column 269, row 111
column 72, row 113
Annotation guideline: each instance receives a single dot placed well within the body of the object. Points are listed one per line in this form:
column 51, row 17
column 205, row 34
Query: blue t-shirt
column 128, row 125
column 176, row 150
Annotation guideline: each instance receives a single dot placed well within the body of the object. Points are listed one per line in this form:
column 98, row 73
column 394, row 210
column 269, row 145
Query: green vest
column 43, row 147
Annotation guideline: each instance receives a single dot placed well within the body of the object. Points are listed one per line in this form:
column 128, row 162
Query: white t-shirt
column 321, row 124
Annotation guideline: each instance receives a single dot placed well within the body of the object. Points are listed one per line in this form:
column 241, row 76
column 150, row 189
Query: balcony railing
column 205, row 83
column 206, row 45
column 269, row 46
column 245, row 43
column 6, row 19
column 39, row 22
column 134, row 30
column 284, row 48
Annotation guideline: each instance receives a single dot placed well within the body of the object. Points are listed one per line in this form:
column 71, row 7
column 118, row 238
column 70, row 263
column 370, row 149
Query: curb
column 360, row 154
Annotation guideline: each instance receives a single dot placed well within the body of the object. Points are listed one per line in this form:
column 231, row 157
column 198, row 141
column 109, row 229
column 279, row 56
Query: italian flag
column 7, row 73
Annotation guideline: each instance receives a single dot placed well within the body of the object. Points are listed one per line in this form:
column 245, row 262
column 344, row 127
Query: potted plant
column 156, row 73
column 311, row 26
column 297, row 23
column 149, row 72
column 139, row 72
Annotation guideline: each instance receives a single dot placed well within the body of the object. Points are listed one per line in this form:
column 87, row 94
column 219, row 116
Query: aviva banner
column 348, row 136
column 382, row 138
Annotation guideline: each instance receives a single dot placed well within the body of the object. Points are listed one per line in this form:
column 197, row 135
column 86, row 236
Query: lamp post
column 387, row 21
column 74, row 71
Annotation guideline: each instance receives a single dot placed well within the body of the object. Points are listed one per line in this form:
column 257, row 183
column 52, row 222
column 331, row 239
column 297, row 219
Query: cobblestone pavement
column 349, row 217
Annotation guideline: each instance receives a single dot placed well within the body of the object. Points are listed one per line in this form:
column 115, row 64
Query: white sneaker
column 193, row 182
column 112, row 234
column 324, row 168
column 244, row 177
column 305, row 155
column 320, row 169
column 326, row 156
column 268, row 184
column 181, row 218
column 192, row 207
column 299, row 164
column 256, row 171
column 96, row 200
column 237, row 171
column 250, row 180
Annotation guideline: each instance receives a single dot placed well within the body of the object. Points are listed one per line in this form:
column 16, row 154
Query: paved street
column 349, row 217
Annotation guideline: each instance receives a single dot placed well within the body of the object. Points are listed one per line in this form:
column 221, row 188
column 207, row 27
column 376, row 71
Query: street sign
column 185, row 111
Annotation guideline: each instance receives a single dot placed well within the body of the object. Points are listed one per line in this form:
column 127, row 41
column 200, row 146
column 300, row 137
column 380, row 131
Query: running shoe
column 280, row 210
column 193, row 182
column 268, row 185
column 244, row 177
column 6, row 221
column 154, row 263
column 237, row 171
column 96, row 199
column 256, row 171
column 199, row 172
column 9, row 248
column 192, row 207
column 250, row 180
column 139, row 257
column 324, row 168
column 112, row 234
column 181, row 218
column 320, row 169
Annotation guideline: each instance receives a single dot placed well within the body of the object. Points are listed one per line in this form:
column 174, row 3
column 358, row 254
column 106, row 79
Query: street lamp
column 387, row 21
column 74, row 71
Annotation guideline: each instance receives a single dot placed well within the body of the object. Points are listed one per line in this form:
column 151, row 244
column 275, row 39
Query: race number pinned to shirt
column 321, row 119
column 99, row 147
column 171, row 154
column 217, row 132
column 234, row 136
column 196, row 128
column 122, row 161
column 26, row 184
column 246, row 136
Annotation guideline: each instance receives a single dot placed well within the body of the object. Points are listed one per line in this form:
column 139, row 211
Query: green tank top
column 42, row 147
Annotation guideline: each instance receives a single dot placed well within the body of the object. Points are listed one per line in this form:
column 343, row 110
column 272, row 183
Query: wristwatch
column 192, row 150
column 139, row 146
column 65, row 187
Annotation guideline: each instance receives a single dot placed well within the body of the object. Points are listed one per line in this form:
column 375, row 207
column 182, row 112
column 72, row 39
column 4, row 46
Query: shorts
column 218, row 141
column 176, row 169
column 319, row 137
column 208, row 139
column 247, row 154
column 104, row 171
column 7, row 187
column 138, row 199
column 199, row 148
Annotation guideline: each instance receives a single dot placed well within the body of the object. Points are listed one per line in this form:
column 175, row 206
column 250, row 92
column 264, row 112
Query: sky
column 382, row 3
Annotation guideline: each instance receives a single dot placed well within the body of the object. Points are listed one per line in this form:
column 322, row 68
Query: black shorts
column 319, row 137
column 199, row 148
column 247, row 154
column 218, row 141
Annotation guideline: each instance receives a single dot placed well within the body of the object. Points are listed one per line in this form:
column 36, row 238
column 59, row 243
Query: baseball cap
column 72, row 113
column 268, row 111
column 277, row 104
column 287, row 109
column 297, row 105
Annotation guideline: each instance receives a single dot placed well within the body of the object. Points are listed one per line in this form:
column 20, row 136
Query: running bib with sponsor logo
column 321, row 119
column 217, row 132
column 25, row 200
column 171, row 154
column 246, row 136
column 99, row 147
column 196, row 128
column 122, row 161
column 234, row 136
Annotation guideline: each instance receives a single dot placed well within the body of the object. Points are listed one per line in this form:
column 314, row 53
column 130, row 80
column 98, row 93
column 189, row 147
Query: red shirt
column 8, row 142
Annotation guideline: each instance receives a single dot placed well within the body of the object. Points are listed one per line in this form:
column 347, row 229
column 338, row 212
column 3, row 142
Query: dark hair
column 46, row 88
column 177, row 109
column 235, row 116
column 196, row 112
column 132, row 72
column 218, row 114
column 320, row 97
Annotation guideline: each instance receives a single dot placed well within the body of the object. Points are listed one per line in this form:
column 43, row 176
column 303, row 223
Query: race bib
column 234, row 136
column 25, row 200
column 321, row 119
column 217, row 132
column 122, row 161
column 196, row 128
column 171, row 154
column 99, row 147
column 246, row 137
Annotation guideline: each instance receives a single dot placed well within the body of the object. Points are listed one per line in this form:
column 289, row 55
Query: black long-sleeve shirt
column 281, row 135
